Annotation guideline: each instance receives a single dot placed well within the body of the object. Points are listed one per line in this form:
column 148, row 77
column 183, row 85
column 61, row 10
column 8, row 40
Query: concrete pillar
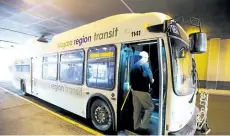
column 223, row 76
column 213, row 63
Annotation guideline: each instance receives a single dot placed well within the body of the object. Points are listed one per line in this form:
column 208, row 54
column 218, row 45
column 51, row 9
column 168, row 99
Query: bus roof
column 110, row 30
column 111, row 21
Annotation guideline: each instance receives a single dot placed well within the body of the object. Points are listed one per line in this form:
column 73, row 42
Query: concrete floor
column 218, row 116
column 19, row 117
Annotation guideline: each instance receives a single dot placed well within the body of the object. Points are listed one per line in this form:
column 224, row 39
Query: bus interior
column 127, row 112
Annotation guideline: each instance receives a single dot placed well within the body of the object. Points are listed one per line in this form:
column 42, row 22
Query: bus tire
column 23, row 88
column 101, row 115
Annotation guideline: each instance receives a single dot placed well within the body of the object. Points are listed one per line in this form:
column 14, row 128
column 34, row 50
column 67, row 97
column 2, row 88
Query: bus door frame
column 32, row 74
column 123, row 69
column 160, row 66
column 161, row 125
column 33, row 80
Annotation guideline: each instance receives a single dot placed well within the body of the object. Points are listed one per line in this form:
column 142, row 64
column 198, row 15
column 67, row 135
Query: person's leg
column 136, row 111
column 146, row 101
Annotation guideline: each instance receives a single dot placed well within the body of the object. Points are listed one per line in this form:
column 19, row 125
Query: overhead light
column 42, row 39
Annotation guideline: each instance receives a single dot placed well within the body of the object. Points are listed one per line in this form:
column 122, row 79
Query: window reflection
column 71, row 67
column 50, row 71
column 101, row 65
column 182, row 67
column 22, row 68
column 71, row 73
column 49, row 67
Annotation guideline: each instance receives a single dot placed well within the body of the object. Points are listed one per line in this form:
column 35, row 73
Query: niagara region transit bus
column 86, row 71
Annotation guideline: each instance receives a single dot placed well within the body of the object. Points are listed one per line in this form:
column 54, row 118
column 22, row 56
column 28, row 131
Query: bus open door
column 129, row 56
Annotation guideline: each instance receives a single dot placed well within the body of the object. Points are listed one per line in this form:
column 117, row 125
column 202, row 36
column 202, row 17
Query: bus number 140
column 136, row 33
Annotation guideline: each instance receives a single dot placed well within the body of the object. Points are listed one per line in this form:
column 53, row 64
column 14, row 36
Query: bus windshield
column 182, row 67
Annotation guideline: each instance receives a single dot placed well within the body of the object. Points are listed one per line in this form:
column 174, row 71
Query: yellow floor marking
column 130, row 132
column 58, row 115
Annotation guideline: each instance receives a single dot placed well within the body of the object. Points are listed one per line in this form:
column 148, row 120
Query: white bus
column 86, row 71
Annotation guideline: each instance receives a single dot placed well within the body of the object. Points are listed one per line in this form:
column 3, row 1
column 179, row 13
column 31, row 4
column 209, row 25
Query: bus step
column 126, row 133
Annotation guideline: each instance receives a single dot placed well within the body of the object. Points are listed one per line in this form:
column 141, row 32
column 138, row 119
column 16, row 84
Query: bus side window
column 18, row 68
column 101, row 67
column 49, row 67
column 72, row 67
column 25, row 68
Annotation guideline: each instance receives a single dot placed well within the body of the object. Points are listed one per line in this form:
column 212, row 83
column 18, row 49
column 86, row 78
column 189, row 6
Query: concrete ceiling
column 21, row 20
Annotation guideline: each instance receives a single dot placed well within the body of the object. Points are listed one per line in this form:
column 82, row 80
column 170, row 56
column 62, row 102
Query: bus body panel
column 73, row 98
column 66, row 96
column 178, row 109
column 125, row 33
column 181, row 111
column 16, row 77
column 16, row 80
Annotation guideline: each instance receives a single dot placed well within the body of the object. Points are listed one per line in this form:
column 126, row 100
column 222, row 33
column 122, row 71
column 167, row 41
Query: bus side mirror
column 198, row 42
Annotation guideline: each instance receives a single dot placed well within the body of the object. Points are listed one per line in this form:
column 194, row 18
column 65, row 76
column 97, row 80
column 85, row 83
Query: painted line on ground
column 58, row 115
column 130, row 132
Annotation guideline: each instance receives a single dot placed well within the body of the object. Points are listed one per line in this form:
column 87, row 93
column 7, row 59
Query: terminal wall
column 214, row 65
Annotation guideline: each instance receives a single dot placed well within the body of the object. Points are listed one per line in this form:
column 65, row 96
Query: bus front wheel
column 101, row 115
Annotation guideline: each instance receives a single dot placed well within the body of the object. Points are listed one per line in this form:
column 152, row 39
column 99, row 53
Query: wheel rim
column 102, row 117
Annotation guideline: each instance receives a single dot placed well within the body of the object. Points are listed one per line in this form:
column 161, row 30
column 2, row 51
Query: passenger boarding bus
column 86, row 71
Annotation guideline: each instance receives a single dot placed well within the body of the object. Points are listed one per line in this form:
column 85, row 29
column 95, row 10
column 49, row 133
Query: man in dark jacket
column 141, row 77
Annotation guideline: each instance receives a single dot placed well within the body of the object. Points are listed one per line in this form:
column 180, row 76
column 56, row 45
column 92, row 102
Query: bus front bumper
column 189, row 128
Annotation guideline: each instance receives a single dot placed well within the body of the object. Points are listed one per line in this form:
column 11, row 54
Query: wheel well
column 103, row 98
column 90, row 104
column 22, row 81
